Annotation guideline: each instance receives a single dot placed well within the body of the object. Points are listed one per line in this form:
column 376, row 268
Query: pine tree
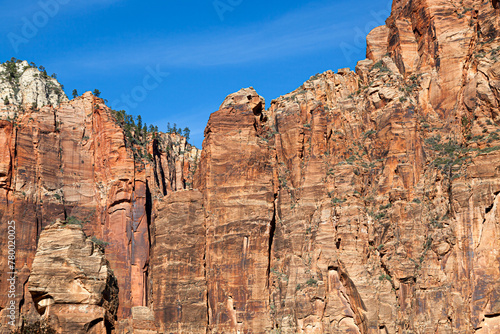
column 139, row 122
column 187, row 132
column 6, row 101
column 75, row 93
column 97, row 93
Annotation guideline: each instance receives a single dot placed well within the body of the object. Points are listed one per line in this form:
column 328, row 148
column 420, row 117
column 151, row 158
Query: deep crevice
column 271, row 239
column 156, row 152
column 493, row 315
column 149, row 210
column 488, row 209
column 91, row 324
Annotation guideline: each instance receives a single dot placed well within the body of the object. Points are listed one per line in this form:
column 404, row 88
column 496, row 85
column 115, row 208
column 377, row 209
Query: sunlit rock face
column 75, row 162
column 71, row 282
column 365, row 201
column 22, row 84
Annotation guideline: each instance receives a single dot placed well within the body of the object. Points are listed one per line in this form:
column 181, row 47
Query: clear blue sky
column 208, row 48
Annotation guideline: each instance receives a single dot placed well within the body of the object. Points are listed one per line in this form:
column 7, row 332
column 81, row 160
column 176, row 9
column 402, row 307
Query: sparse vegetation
column 380, row 66
column 100, row 243
column 72, row 220
column 369, row 133
column 37, row 327
column 311, row 282
column 385, row 277
column 13, row 72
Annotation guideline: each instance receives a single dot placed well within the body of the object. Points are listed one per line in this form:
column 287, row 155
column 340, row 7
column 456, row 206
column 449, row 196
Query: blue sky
column 176, row 61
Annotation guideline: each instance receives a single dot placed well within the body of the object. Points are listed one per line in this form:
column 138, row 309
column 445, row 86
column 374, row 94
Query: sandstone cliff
column 362, row 202
column 76, row 162
column 71, row 282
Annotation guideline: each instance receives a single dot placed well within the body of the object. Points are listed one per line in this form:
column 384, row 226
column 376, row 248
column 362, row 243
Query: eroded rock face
column 382, row 183
column 362, row 202
column 239, row 209
column 74, row 161
column 24, row 85
column 179, row 292
column 71, row 282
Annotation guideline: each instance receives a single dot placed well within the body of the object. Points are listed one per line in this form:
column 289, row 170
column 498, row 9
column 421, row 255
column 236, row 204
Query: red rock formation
column 236, row 179
column 362, row 202
column 385, row 214
column 75, row 162
column 179, row 292
column 71, row 282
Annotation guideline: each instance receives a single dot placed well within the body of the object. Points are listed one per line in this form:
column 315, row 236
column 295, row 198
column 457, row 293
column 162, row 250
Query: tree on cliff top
column 187, row 132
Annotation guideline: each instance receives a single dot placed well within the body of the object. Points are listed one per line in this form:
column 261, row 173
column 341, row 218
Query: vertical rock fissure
column 149, row 210
column 272, row 230
column 158, row 165
column 13, row 160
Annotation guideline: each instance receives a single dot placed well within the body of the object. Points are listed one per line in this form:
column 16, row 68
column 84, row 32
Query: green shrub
column 311, row 282
column 380, row 66
column 72, row 220
column 101, row 243
column 384, row 207
column 384, row 276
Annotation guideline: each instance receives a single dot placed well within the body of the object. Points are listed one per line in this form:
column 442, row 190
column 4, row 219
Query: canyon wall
column 73, row 162
column 365, row 201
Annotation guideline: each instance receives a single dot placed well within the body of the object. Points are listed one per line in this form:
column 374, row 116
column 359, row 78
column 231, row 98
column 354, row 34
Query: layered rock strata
column 362, row 202
column 74, row 162
column 71, row 282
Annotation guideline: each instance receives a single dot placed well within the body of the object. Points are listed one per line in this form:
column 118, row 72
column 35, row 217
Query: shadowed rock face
column 362, row 202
